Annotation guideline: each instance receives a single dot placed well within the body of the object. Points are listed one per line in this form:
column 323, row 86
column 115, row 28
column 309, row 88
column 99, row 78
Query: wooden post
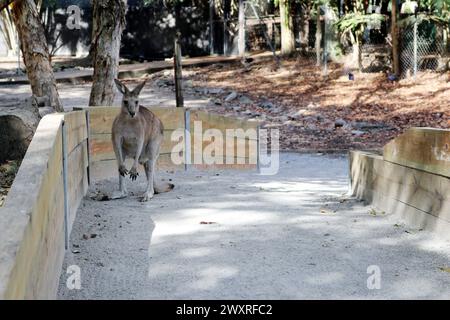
column 177, row 72
column 241, row 43
column 394, row 35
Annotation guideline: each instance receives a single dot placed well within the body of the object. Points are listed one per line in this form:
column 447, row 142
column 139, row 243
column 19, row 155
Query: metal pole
column 187, row 139
column 325, row 53
column 88, row 147
column 178, row 73
column 415, row 49
column 211, row 27
column 66, row 196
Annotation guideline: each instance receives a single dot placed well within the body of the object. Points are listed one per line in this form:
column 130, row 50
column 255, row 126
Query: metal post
column 88, row 147
column 187, row 139
column 178, row 73
column 415, row 49
column 211, row 26
column 66, row 196
column 257, row 150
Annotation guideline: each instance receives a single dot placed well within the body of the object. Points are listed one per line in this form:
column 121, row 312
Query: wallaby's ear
column 139, row 87
column 122, row 88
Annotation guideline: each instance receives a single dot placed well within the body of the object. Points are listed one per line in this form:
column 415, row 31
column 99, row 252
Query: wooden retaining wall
column 103, row 161
column 34, row 224
column 411, row 179
column 32, row 228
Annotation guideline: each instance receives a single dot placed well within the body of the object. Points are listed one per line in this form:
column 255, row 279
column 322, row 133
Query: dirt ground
column 227, row 234
column 314, row 111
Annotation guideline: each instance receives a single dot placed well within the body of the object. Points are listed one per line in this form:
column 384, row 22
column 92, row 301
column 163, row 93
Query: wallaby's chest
column 131, row 139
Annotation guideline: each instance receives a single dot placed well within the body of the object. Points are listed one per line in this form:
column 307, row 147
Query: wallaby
column 137, row 133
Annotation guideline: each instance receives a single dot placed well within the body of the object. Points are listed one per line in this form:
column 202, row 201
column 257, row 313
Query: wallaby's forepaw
column 123, row 171
column 133, row 173
column 146, row 197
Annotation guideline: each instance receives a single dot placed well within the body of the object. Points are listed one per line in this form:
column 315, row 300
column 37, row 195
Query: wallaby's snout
column 130, row 99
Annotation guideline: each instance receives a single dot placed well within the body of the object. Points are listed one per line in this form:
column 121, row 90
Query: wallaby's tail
column 163, row 187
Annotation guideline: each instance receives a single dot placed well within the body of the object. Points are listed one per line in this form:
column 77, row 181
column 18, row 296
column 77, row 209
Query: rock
column 266, row 105
column 245, row 100
column 358, row 132
column 339, row 123
column 214, row 90
column 233, row 95
column 17, row 125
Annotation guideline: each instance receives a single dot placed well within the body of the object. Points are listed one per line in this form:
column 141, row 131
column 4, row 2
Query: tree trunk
column 35, row 52
column 108, row 24
column 241, row 36
column 318, row 36
column 394, row 35
column 9, row 32
column 287, row 28
column 5, row 3
column 18, row 122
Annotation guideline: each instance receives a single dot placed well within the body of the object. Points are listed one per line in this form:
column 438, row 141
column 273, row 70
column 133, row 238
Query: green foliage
column 355, row 23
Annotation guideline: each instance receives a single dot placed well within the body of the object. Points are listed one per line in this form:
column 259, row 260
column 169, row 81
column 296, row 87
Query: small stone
column 233, row 95
column 339, row 123
column 357, row 133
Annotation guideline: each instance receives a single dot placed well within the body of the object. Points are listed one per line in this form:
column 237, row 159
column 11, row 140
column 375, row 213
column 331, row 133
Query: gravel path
column 294, row 235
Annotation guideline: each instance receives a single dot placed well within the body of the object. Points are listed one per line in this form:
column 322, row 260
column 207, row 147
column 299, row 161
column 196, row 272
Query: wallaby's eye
column 136, row 103
column 125, row 102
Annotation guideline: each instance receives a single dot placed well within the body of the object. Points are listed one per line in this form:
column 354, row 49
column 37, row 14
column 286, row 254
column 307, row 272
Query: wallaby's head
column 130, row 99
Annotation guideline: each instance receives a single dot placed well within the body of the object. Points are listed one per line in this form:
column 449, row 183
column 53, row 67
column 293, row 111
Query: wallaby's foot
column 133, row 173
column 119, row 195
column 123, row 171
column 164, row 187
column 147, row 196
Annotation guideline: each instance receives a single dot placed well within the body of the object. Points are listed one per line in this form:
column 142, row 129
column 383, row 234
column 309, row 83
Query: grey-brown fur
column 137, row 133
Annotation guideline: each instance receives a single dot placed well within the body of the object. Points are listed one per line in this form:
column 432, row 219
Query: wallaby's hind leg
column 122, row 193
column 152, row 153
column 149, row 167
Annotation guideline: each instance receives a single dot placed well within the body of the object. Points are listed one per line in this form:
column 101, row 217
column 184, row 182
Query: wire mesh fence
column 422, row 48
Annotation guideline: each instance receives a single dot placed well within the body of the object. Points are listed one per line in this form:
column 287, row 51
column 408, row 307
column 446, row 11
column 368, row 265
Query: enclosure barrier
column 38, row 214
column 411, row 179
column 37, row 217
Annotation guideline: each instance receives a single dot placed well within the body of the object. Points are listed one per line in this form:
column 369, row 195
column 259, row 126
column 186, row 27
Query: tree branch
column 5, row 3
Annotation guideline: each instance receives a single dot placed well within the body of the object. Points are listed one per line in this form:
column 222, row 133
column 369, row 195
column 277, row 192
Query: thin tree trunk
column 287, row 28
column 318, row 35
column 5, row 3
column 394, row 34
column 241, row 37
column 35, row 52
column 108, row 24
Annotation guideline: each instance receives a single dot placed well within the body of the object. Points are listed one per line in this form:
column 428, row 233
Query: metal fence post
column 66, row 196
column 415, row 49
column 187, row 138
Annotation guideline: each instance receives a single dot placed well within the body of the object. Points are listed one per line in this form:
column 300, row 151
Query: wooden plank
column 415, row 196
column 101, row 147
column 76, row 129
column 244, row 149
column 106, row 169
column 101, row 118
column 77, row 183
column 425, row 149
column 210, row 121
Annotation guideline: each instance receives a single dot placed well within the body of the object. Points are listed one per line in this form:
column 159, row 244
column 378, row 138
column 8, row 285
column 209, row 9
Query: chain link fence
column 422, row 48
